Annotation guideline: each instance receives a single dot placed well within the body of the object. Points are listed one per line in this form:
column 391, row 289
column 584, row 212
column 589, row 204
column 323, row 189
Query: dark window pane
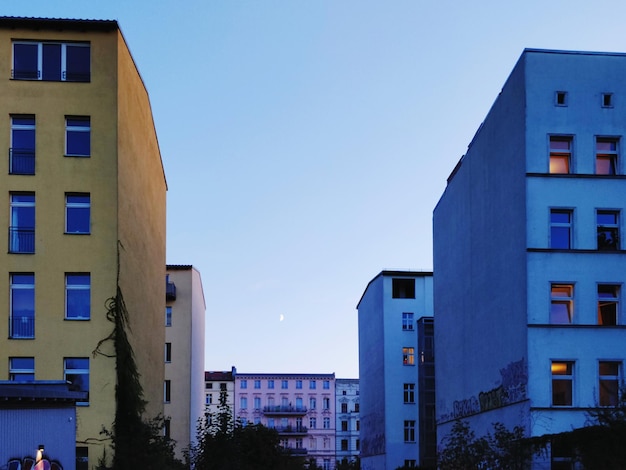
column 51, row 62
column 403, row 288
column 25, row 61
column 77, row 64
column 562, row 392
column 560, row 217
column 560, row 238
column 78, row 143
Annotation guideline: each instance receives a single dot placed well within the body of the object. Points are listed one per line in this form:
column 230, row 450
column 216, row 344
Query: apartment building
column 183, row 389
column 216, row 384
column 301, row 407
column 396, row 376
column 84, row 198
column 348, row 424
column 529, row 257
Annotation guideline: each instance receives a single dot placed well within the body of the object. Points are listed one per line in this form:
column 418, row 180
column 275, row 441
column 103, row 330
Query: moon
column 282, row 317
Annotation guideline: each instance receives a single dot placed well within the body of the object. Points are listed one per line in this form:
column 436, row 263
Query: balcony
column 21, row 240
column 291, row 430
column 21, row 161
column 22, row 327
column 170, row 290
column 285, row 410
column 295, row 450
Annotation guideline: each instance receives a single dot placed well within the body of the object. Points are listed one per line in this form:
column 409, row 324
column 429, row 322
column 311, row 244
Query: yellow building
column 84, row 178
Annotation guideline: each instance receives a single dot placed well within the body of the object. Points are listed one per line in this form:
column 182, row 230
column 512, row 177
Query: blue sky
column 306, row 143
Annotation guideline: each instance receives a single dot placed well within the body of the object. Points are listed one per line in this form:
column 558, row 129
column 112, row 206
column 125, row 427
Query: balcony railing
column 295, row 450
column 285, row 410
column 22, row 327
column 21, row 240
column 291, row 430
column 21, row 161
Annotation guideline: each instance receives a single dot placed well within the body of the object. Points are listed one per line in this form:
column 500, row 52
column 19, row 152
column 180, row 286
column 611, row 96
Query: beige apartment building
column 83, row 193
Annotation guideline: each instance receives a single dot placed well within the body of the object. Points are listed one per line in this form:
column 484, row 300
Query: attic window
column 561, row 98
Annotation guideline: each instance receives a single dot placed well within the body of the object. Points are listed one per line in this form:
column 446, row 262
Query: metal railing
column 21, row 326
column 21, row 240
column 21, row 161
column 285, row 409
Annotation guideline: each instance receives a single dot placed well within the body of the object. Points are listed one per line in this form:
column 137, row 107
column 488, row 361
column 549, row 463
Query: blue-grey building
column 530, row 266
column 394, row 361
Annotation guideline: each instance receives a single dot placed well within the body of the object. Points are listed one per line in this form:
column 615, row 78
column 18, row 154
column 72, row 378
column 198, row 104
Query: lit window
column 408, row 356
column 22, row 224
column 409, row 393
column 560, row 154
column 52, row 61
column 561, row 304
column 77, row 213
column 167, row 391
column 606, row 156
column 608, row 304
column 77, row 136
column 407, row 321
column 77, row 296
column 22, row 151
column 22, row 302
column 76, row 371
column 403, row 288
column 608, row 230
column 609, row 372
column 409, row 431
column 168, row 352
column 562, row 381
column 168, row 318
column 21, row 369
column 560, row 229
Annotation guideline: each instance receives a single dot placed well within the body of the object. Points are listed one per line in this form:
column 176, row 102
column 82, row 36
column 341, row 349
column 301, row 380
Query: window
column 299, row 443
column 326, row 464
column 403, row 288
column 243, row 383
column 313, row 423
column 284, row 402
column 561, row 455
column 167, row 425
column 167, row 391
column 606, row 156
column 77, row 296
column 299, row 403
column 77, row 136
column 243, row 403
column 609, row 372
column 257, row 384
column 284, row 384
column 257, row 403
column 313, row 403
column 209, row 399
column 208, row 385
column 410, row 463
column 22, row 224
column 270, row 384
column 356, row 407
column 77, row 213
column 312, row 384
column 608, row 304
column 21, row 369
column 409, row 431
column 561, row 98
column 222, row 387
column 76, row 372
column 560, row 154
column 326, row 403
column 22, row 302
column 326, row 385
column 22, row 151
column 344, row 407
column 607, row 100
column 407, row 321
column 608, row 230
column 409, row 393
column 168, row 352
column 344, row 426
column 561, row 304
column 82, row 458
column 344, row 444
column 52, row 61
column 298, row 384
column 168, row 318
column 408, row 356
column 326, row 423
column 358, row 423
column 562, row 380
column 561, row 229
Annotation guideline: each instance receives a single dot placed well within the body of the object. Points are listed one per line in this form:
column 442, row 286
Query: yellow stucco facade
column 124, row 178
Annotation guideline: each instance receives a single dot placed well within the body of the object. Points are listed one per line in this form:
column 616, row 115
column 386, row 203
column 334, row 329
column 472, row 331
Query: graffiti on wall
column 512, row 389
column 29, row 463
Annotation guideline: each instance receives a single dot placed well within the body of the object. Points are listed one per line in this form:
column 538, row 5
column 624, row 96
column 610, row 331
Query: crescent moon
column 282, row 317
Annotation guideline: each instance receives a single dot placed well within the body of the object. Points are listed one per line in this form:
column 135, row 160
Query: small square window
column 403, row 288
column 561, row 98
column 607, row 100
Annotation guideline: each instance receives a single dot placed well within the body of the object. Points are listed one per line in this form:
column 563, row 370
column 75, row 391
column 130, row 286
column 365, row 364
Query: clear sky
column 306, row 143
